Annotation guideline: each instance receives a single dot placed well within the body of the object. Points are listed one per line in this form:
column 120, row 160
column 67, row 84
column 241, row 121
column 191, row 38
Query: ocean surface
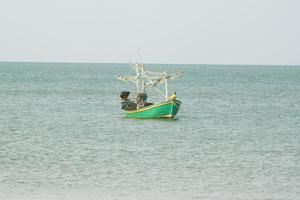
column 63, row 136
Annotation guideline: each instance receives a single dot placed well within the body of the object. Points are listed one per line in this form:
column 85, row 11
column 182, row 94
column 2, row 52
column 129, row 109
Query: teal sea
column 63, row 137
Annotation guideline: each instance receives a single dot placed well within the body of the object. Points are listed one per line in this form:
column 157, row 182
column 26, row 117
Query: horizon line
column 150, row 63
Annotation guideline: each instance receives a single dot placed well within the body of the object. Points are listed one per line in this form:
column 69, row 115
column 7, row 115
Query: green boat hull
column 167, row 109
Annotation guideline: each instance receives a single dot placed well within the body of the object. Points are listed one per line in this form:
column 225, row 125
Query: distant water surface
column 62, row 134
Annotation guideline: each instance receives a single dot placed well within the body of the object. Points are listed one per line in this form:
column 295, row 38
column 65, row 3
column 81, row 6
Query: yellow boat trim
column 148, row 107
column 168, row 116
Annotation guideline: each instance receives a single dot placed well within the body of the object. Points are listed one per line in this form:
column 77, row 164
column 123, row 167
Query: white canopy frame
column 145, row 80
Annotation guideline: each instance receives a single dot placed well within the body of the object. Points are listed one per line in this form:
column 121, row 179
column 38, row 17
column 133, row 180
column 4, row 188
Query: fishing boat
column 145, row 80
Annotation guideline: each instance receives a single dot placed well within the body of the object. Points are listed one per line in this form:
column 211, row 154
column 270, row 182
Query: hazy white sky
column 167, row 31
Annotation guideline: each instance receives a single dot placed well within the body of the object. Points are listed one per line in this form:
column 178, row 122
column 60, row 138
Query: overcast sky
column 166, row 31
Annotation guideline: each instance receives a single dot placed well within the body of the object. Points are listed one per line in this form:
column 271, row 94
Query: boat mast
column 166, row 86
column 137, row 78
column 143, row 81
column 140, row 82
column 140, row 75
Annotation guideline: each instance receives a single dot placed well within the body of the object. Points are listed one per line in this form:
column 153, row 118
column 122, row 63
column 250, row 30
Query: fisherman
column 127, row 104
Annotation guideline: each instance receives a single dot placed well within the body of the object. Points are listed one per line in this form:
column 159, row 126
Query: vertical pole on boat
column 137, row 78
column 166, row 84
column 137, row 81
column 141, row 74
column 143, row 82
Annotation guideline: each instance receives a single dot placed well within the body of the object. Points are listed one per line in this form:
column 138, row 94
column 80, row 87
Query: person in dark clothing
column 127, row 104
column 142, row 100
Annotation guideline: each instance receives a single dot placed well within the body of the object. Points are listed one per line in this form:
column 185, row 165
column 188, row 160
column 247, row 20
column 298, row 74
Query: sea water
column 63, row 136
